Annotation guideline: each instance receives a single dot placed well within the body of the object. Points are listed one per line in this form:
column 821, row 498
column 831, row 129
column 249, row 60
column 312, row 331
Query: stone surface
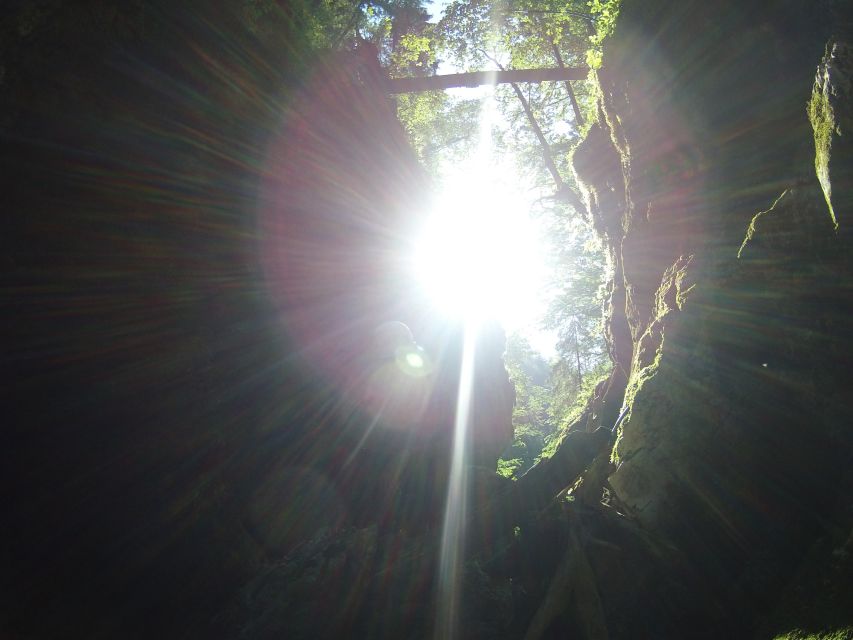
column 730, row 449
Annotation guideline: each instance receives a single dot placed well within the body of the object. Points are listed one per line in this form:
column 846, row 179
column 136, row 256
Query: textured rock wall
column 733, row 447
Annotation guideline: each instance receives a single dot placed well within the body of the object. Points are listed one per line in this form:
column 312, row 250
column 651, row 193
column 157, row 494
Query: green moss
column 636, row 383
column 606, row 12
column 798, row 634
column 751, row 229
column 507, row 468
column 582, row 403
column 822, row 118
column 671, row 296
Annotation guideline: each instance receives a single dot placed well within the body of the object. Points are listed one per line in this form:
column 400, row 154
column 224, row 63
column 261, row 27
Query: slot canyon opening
column 496, row 247
column 484, row 256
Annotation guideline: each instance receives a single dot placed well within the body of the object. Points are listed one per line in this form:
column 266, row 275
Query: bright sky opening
column 481, row 255
column 435, row 8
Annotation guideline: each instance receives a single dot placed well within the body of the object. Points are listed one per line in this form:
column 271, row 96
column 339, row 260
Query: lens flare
column 415, row 360
column 455, row 512
column 481, row 255
column 463, row 275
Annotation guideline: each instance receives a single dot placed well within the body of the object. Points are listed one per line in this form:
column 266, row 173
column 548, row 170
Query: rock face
column 730, row 305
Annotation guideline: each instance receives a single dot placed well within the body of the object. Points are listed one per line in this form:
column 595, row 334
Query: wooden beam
column 479, row 78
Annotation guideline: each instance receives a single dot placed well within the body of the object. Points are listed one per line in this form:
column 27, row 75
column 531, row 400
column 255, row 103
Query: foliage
column 508, row 468
column 572, row 413
column 548, row 401
column 412, row 50
column 532, row 418
column 393, row 26
column 606, row 12
column 319, row 25
column 578, row 276
column 525, row 34
column 578, row 273
column 439, row 127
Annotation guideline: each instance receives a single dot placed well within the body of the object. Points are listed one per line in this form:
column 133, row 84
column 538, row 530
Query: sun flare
column 480, row 255
column 480, row 258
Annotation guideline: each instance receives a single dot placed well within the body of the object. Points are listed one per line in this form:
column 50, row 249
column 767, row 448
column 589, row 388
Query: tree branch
column 546, row 149
column 561, row 64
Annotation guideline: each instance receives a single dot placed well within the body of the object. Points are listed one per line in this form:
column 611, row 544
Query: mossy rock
column 832, row 121
column 798, row 634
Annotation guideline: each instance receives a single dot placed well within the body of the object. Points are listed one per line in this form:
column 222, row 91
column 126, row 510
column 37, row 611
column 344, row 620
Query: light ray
column 480, row 252
column 451, row 561
column 365, row 436
column 453, row 532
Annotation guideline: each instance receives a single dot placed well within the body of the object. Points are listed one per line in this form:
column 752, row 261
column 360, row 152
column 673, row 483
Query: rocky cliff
column 728, row 320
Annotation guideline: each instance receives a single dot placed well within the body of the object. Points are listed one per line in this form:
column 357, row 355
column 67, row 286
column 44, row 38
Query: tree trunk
column 578, row 355
column 577, row 109
column 546, row 148
column 478, row 78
